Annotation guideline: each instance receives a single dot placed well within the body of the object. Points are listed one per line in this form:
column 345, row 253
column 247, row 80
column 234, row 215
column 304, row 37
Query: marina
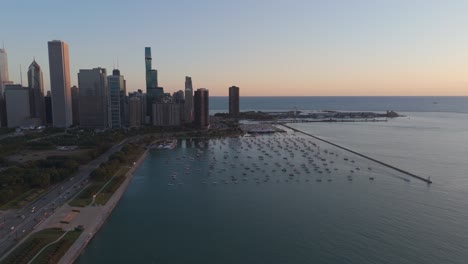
column 285, row 198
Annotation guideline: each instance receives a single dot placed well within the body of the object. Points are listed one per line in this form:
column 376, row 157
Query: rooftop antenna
column 117, row 62
column 113, row 64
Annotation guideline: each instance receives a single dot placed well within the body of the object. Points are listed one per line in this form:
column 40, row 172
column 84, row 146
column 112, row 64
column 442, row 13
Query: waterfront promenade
column 92, row 217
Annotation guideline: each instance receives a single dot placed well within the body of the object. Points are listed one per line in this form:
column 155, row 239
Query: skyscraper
column 93, row 98
column 3, row 71
column 17, row 105
column 153, row 91
column 188, row 105
column 151, row 74
column 234, row 101
column 48, row 108
column 59, row 67
column 36, row 92
column 116, row 85
column 75, row 96
column 201, row 108
column 134, row 105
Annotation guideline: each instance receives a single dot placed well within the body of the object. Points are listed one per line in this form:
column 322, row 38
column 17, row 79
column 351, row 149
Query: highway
column 16, row 224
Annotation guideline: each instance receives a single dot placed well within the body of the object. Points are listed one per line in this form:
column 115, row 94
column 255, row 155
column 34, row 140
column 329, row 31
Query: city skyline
column 303, row 48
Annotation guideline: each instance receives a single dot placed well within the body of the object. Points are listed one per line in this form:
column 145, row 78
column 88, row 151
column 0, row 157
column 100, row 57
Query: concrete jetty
column 427, row 180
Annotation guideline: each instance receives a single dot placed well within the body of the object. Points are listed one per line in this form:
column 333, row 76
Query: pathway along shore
column 427, row 180
column 98, row 216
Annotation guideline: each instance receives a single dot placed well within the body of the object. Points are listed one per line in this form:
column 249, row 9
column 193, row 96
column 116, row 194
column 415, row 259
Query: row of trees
column 15, row 181
column 107, row 169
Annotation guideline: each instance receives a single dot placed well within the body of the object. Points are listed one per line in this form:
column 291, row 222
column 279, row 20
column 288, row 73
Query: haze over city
column 281, row 48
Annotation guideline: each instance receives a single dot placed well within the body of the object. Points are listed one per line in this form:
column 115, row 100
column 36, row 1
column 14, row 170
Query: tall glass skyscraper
column 188, row 105
column 116, row 99
column 152, row 90
column 36, row 91
column 151, row 74
column 59, row 67
column 93, row 98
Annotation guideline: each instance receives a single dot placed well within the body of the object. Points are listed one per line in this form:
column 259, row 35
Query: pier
column 427, row 180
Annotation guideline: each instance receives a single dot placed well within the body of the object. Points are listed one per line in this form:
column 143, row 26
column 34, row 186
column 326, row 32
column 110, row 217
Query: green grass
column 55, row 252
column 86, row 196
column 22, row 200
column 29, row 248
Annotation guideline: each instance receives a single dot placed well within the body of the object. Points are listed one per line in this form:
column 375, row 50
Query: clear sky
column 266, row 47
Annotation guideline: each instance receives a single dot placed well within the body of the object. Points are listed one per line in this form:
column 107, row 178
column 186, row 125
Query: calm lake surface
column 193, row 205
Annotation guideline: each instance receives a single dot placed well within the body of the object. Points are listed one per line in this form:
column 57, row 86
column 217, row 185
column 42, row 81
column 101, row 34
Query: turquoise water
column 169, row 215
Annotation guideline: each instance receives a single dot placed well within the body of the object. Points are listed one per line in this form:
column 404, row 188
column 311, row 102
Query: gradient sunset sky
column 266, row 47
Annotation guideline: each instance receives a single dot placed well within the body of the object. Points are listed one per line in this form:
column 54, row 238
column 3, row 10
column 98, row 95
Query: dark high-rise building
column 116, row 99
column 75, row 95
column 201, row 108
column 151, row 74
column 48, row 108
column 93, row 98
column 233, row 101
column 153, row 91
column 17, row 106
column 3, row 122
column 188, row 105
column 59, row 67
column 178, row 97
column 36, row 92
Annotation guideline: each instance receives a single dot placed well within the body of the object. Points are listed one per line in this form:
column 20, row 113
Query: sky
column 265, row 47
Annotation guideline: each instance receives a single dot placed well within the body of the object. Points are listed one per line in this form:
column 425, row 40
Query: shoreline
column 100, row 215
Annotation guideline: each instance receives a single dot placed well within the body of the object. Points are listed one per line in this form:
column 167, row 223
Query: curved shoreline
column 100, row 216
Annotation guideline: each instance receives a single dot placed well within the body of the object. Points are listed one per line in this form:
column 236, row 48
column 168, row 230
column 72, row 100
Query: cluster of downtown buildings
column 100, row 101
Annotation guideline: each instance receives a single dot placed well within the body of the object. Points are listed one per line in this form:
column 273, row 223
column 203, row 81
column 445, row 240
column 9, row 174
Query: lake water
column 272, row 217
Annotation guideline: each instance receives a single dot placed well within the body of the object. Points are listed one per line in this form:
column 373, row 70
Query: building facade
column 116, row 102
column 75, row 96
column 153, row 91
column 234, row 101
column 36, row 89
column 188, row 104
column 59, row 67
column 167, row 114
column 17, row 105
column 4, row 78
column 48, row 108
column 135, row 111
column 93, row 98
column 201, row 108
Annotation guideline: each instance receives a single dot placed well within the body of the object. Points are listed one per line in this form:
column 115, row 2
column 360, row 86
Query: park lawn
column 23, row 199
column 29, row 248
column 53, row 253
column 86, row 196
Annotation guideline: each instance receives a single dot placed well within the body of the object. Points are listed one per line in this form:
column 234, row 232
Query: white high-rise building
column 59, row 67
column 4, row 79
